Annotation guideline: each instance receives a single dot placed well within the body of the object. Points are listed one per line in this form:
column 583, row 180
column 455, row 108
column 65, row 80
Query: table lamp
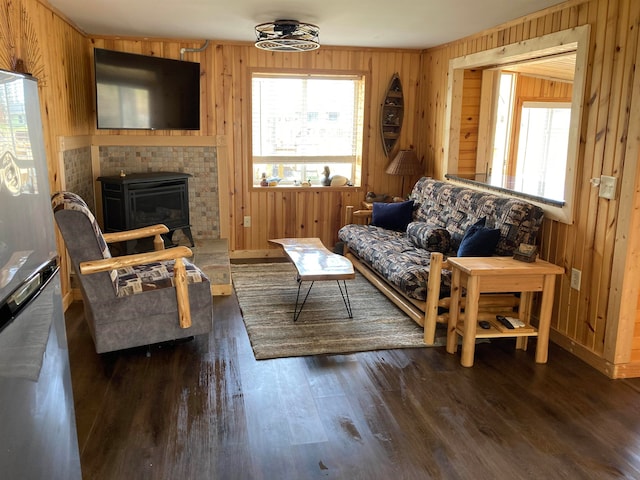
column 405, row 164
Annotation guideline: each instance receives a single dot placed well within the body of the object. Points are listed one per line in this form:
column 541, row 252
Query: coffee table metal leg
column 345, row 297
column 344, row 293
column 296, row 312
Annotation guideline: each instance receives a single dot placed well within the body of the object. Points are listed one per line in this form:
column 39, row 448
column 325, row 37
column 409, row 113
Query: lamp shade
column 405, row 163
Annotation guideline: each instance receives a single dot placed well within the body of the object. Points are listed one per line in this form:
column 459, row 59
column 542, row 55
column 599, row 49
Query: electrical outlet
column 247, row 221
column 576, row 278
column 608, row 187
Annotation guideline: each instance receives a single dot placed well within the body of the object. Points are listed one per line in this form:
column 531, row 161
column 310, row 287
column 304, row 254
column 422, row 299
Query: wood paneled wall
column 469, row 123
column 315, row 212
column 55, row 53
column 635, row 349
column 596, row 241
column 283, row 212
column 536, row 88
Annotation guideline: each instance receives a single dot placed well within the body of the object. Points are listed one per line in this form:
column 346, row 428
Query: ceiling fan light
column 287, row 36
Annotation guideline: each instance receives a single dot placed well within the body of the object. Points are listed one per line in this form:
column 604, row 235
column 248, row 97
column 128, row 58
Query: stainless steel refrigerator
column 37, row 421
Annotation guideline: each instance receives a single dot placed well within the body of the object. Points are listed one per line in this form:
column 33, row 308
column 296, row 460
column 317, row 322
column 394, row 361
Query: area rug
column 267, row 296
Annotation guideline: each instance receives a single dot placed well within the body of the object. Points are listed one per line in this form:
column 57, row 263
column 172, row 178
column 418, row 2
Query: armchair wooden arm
column 151, row 231
column 350, row 214
column 114, row 263
column 179, row 272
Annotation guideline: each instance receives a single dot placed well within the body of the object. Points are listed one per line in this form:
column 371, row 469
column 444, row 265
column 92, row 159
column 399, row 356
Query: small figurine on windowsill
column 333, row 181
column 326, row 176
column 264, row 182
column 339, row 181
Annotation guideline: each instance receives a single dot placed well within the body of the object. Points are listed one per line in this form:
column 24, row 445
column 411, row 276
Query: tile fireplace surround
column 200, row 162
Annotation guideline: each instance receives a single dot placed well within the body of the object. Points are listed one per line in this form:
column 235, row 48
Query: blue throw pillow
column 479, row 241
column 392, row 216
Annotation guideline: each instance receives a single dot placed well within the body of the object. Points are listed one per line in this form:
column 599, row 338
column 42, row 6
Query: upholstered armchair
column 132, row 300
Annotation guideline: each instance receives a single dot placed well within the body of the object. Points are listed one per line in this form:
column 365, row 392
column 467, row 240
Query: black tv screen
column 143, row 92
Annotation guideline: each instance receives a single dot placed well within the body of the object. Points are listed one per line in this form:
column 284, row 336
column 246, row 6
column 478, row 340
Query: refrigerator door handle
column 28, row 291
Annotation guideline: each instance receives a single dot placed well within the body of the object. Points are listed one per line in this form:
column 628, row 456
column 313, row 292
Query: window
column 536, row 162
column 504, row 109
column 538, row 57
column 542, row 149
column 302, row 123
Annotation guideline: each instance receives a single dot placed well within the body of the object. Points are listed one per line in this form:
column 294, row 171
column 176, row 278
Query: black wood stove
column 141, row 199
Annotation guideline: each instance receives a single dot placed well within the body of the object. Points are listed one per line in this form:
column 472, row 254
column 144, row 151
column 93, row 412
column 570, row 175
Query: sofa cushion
column 394, row 256
column 393, row 216
column 479, row 240
column 430, row 238
column 456, row 208
column 367, row 240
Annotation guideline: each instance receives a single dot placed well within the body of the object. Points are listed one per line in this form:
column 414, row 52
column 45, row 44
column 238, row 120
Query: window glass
column 302, row 123
column 502, row 129
column 542, row 149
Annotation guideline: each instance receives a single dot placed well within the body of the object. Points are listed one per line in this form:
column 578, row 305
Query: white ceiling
column 363, row 23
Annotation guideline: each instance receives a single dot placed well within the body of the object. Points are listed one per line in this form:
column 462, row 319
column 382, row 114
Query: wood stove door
column 167, row 204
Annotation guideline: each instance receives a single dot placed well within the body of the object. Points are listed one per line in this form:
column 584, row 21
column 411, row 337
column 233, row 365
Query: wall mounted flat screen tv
column 143, row 92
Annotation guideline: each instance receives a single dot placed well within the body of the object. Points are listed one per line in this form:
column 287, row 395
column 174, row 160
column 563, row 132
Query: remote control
column 503, row 320
column 516, row 322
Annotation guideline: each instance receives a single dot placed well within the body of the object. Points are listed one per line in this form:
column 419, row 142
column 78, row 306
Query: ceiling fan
column 287, row 36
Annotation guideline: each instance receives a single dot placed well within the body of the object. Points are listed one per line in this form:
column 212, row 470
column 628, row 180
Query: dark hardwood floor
column 207, row 409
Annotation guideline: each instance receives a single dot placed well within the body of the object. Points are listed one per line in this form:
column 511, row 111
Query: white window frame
column 315, row 163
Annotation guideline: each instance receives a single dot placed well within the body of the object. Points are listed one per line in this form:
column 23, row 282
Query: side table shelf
column 498, row 331
column 500, row 275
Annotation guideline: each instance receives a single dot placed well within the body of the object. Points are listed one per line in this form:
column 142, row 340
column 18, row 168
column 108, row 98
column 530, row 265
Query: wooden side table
column 500, row 275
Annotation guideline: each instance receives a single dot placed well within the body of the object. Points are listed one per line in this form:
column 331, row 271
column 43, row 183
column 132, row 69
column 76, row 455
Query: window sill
column 553, row 210
column 313, row 188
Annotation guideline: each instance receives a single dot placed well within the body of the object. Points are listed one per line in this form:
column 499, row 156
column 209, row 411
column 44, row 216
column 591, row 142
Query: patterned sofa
column 408, row 265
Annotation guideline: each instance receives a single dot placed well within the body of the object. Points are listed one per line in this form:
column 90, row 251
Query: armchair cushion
column 153, row 276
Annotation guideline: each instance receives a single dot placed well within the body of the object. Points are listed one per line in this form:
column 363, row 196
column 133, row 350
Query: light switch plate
column 608, row 187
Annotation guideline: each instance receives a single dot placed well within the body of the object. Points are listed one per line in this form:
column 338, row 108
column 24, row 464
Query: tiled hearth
column 212, row 256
